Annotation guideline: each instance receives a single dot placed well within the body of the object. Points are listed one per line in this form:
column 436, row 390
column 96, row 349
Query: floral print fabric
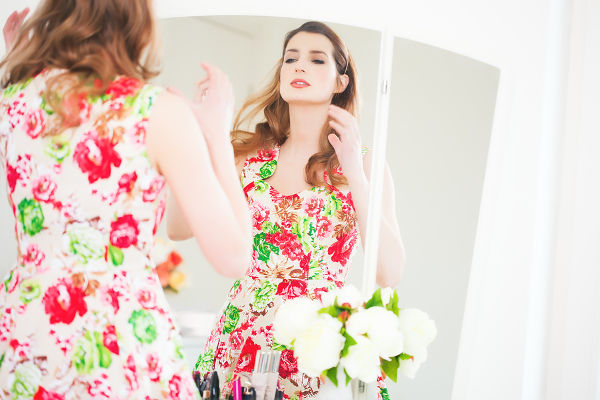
column 82, row 314
column 302, row 246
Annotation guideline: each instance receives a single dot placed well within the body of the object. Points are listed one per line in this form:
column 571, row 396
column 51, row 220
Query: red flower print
column 16, row 112
column 314, row 206
column 44, row 189
column 263, row 156
column 95, row 157
column 111, row 297
column 151, row 193
column 127, row 182
column 154, row 369
column 247, row 356
column 109, row 339
column 236, row 339
column 340, row 251
column 147, row 298
column 291, row 288
column 43, row 394
column 33, row 255
column 124, row 231
column 123, row 87
column 175, row 386
column 35, row 124
column 131, row 374
column 63, row 301
column 12, row 175
column 288, row 364
column 288, row 243
column 100, row 388
column 260, row 214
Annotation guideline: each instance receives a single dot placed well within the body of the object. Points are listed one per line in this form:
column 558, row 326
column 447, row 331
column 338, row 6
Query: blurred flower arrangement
column 364, row 338
column 167, row 259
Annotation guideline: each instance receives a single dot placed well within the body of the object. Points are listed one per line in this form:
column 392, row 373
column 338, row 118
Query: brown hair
column 276, row 125
column 93, row 40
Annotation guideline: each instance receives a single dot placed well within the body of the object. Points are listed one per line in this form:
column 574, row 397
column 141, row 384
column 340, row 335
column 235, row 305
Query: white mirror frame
column 503, row 337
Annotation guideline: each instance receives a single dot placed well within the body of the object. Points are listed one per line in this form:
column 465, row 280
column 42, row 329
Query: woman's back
column 82, row 312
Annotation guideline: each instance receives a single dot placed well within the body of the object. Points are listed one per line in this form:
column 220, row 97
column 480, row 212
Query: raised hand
column 346, row 143
column 213, row 103
column 13, row 26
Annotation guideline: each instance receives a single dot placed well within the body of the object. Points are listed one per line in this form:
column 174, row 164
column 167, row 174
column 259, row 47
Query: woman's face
column 308, row 73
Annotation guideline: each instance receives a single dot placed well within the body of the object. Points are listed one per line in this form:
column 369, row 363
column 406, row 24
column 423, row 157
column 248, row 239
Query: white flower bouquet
column 365, row 338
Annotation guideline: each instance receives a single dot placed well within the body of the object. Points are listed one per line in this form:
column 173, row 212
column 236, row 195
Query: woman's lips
column 299, row 83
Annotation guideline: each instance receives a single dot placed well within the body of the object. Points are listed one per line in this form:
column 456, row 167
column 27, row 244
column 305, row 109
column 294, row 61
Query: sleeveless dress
column 302, row 246
column 82, row 314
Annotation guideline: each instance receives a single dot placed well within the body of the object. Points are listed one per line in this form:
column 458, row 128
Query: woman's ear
column 343, row 81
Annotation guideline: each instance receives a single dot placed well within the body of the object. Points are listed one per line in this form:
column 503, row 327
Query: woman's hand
column 213, row 104
column 13, row 26
column 346, row 143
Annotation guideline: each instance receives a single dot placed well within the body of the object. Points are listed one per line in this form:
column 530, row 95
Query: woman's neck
column 306, row 126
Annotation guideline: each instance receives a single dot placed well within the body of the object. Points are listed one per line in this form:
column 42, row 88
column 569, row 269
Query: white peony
column 362, row 360
column 409, row 367
column 351, row 295
column 418, row 329
column 381, row 326
column 319, row 344
column 292, row 317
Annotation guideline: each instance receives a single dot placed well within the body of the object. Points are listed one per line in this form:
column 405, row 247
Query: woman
column 306, row 212
column 88, row 146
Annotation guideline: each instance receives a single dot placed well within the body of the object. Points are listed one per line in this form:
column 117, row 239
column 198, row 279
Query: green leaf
column 393, row 304
column 404, row 356
column 390, row 368
column 348, row 379
column 349, row 342
column 332, row 374
column 331, row 310
column 116, row 255
column 375, row 300
column 278, row 347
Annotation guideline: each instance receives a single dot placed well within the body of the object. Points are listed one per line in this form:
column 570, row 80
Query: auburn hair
column 93, row 41
column 274, row 128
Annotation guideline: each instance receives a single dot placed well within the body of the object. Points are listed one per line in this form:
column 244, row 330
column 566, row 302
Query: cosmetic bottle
column 259, row 376
column 278, row 395
column 214, row 386
column 237, row 389
column 272, row 374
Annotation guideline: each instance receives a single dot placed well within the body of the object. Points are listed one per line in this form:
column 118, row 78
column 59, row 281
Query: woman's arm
column 391, row 254
column 217, row 217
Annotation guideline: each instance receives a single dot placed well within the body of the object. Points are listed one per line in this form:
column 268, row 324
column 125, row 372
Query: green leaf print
column 305, row 230
column 264, row 248
column 261, row 186
column 278, row 346
column 205, row 361
column 91, row 353
column 141, row 103
column 46, row 107
column 264, row 295
column 232, row 317
column 85, row 242
column 31, row 216
column 27, row 381
column 58, row 148
column 314, row 269
column 144, row 326
column 267, row 169
column 104, row 357
column 116, row 255
column 384, row 394
column 176, row 339
column 2, row 359
column 270, row 228
column 30, row 290
column 11, row 90
column 7, row 281
column 332, row 204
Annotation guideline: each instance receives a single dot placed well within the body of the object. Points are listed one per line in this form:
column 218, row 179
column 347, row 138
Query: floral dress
column 82, row 314
column 302, row 246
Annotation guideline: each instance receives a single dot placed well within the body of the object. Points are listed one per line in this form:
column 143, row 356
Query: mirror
column 441, row 112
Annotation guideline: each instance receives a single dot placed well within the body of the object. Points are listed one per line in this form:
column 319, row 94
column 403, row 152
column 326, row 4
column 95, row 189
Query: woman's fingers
column 335, row 142
column 339, row 128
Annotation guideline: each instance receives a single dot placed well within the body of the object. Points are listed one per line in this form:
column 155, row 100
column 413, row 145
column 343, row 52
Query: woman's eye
column 317, row 61
column 290, row 60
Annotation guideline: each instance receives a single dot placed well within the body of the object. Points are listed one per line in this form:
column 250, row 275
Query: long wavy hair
column 275, row 127
column 93, row 41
